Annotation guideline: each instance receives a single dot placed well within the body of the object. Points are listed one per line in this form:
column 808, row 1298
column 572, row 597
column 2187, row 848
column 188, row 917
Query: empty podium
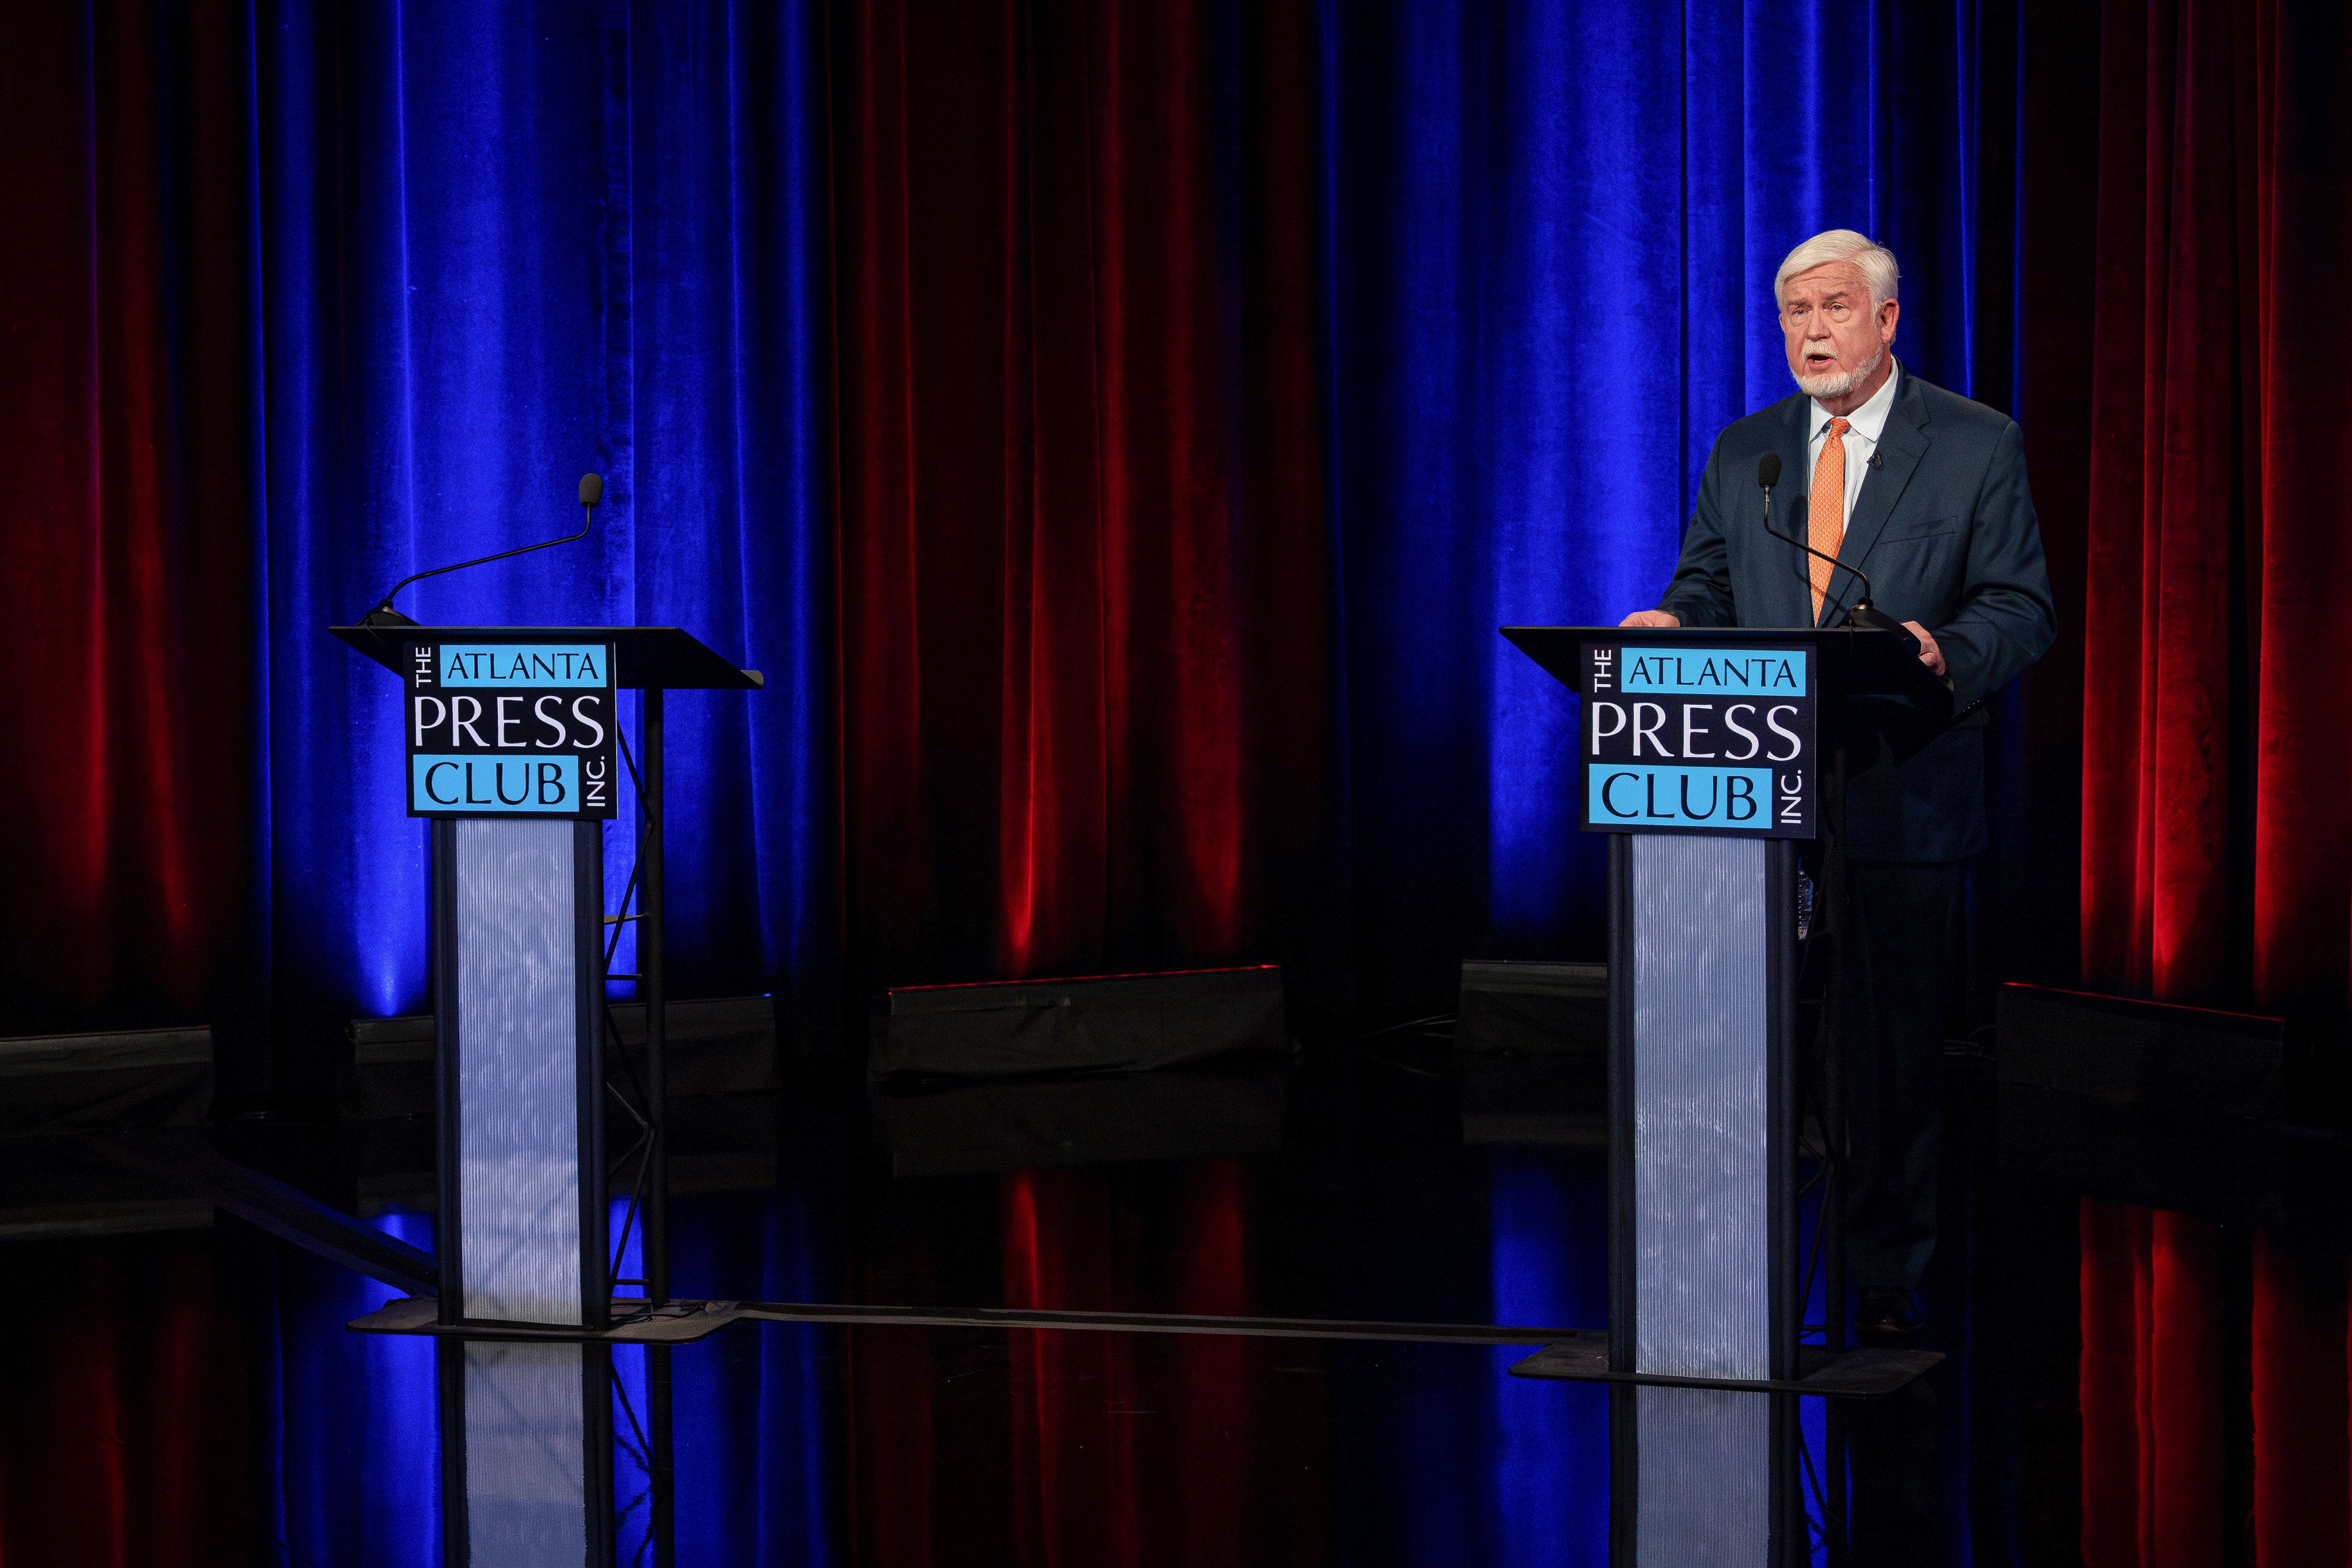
column 514, row 748
column 1707, row 755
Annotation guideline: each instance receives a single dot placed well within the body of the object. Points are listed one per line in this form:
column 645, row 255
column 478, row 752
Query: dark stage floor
column 2146, row 1337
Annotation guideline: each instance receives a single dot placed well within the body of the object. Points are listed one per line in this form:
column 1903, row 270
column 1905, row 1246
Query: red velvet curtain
column 1082, row 549
column 122, row 311
column 2217, row 856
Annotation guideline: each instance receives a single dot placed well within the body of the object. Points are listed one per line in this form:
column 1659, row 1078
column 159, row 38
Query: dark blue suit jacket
column 1946, row 528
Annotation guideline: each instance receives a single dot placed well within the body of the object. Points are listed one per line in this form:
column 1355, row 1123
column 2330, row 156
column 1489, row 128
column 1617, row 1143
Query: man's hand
column 1929, row 654
column 1657, row 619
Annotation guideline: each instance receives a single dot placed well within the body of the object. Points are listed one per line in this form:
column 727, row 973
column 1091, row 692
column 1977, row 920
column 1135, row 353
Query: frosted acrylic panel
column 1703, row 1478
column 525, row 1496
column 517, row 1098
column 1702, row 1250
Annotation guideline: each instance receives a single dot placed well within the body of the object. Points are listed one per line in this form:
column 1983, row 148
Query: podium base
column 634, row 1323
column 1855, row 1372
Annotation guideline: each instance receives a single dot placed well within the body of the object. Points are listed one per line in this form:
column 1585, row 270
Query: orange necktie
column 1825, row 521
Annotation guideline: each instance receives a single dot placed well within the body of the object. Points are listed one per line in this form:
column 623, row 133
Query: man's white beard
column 1838, row 383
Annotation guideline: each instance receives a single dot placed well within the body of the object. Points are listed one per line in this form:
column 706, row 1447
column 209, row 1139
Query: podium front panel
column 518, row 917
column 1701, row 1125
column 518, row 1128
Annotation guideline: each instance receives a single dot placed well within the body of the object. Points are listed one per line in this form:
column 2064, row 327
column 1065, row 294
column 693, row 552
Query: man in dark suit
column 1925, row 492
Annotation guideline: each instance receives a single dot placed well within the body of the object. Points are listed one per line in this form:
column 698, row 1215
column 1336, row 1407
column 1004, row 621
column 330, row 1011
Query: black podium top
column 644, row 658
column 1853, row 661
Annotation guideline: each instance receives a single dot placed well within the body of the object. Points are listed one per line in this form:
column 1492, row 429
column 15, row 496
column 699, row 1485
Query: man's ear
column 1889, row 312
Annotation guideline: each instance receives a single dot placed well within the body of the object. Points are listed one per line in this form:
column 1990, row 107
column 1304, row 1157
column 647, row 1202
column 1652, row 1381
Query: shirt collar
column 1866, row 421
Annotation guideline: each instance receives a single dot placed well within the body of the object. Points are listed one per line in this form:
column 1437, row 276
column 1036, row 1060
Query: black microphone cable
column 592, row 491
column 1862, row 612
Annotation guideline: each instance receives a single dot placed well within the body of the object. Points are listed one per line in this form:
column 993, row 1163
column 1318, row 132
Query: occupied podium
column 1707, row 755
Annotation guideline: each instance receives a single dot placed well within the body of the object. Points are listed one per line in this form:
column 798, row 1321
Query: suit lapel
column 1901, row 444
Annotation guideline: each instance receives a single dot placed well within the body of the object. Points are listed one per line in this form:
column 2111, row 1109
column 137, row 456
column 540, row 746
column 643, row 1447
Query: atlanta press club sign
column 506, row 730
column 1696, row 739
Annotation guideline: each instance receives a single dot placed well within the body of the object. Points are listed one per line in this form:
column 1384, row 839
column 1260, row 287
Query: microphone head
column 1768, row 470
column 592, row 488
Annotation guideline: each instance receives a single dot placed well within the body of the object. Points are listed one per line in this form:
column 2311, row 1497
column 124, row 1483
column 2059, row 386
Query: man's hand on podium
column 1659, row 620
column 1929, row 654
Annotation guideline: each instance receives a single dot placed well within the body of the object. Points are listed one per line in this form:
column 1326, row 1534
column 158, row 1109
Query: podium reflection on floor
column 551, row 1455
column 1705, row 1477
column 1698, row 1478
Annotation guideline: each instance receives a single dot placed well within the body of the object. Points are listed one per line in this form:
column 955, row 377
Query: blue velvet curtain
column 499, row 247
column 1552, row 230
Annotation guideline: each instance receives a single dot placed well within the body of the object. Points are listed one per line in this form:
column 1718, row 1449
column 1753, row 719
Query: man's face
column 1836, row 339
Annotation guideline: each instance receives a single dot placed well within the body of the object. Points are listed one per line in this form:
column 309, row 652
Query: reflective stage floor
column 2144, row 1324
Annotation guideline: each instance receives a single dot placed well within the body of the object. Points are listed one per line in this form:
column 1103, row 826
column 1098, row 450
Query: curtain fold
column 1082, row 576
column 124, row 309
column 2214, row 864
column 2303, row 847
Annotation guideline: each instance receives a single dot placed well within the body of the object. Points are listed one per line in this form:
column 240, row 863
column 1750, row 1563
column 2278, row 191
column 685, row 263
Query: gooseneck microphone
column 1862, row 612
column 592, row 491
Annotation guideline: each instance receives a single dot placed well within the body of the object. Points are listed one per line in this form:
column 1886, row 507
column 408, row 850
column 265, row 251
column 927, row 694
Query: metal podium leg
column 1834, row 895
column 651, row 950
column 652, row 933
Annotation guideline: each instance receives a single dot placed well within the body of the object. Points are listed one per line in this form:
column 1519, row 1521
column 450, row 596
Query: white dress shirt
column 1864, row 423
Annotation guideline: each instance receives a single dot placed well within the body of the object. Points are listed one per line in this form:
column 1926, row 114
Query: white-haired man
column 1926, row 492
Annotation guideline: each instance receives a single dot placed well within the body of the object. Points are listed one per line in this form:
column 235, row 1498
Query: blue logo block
column 480, row 781
column 1729, row 800
column 514, row 666
column 1719, row 672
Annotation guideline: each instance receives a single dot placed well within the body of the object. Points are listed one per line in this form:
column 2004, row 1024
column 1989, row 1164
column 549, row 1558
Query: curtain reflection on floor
column 1081, row 1448
column 2153, row 1453
column 114, row 1359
